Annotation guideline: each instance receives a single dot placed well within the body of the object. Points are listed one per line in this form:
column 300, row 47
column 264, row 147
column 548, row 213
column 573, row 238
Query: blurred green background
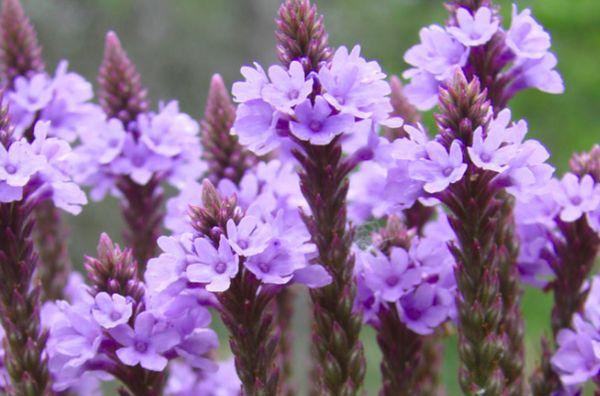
column 179, row 44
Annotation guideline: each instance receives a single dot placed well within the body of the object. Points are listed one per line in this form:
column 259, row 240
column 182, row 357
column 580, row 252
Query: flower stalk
column 246, row 306
column 21, row 56
column 122, row 96
column 20, row 293
column 115, row 271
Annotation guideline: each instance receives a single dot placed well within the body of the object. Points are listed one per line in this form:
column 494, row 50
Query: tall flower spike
column 301, row 34
column 20, row 52
column 121, row 93
column 114, row 271
column 340, row 364
column 225, row 157
column 246, row 306
column 482, row 228
column 575, row 254
column 122, row 96
column 409, row 360
column 20, row 56
column 20, row 294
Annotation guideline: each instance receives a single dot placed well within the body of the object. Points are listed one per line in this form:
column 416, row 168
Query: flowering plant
column 318, row 176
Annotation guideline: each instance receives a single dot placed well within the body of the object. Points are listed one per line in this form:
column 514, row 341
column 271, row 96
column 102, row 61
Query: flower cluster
column 272, row 246
column 419, row 282
column 164, row 145
column 94, row 334
column 418, row 168
column 263, row 191
column 63, row 101
column 347, row 97
column 523, row 54
column 577, row 359
column 537, row 217
column 42, row 169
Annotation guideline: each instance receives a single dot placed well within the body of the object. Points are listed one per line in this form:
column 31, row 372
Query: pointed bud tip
column 112, row 42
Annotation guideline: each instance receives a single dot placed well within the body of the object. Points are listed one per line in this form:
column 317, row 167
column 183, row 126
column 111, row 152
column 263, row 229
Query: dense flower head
column 524, row 54
column 87, row 333
column 577, row 359
column 63, row 100
column 163, row 145
column 418, row 283
column 264, row 190
column 42, row 169
column 538, row 215
column 346, row 97
column 275, row 250
column 418, row 168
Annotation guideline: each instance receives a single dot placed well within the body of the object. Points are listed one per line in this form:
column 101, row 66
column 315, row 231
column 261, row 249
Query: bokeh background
column 178, row 44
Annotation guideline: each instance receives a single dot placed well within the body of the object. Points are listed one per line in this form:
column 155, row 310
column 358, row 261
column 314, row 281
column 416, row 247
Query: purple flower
column 19, row 163
column 138, row 162
column 213, row 267
column 425, row 308
column 537, row 73
column 274, row 265
column 166, row 269
column 474, row 30
column 288, row 88
column 578, row 357
column 491, row 153
column 169, row 132
column 422, row 90
column 526, row 37
column 366, row 193
column 255, row 125
column 441, row 169
column 251, row 89
column 354, row 86
column 111, row 311
column 316, row 124
column 576, row 196
column 392, row 276
column 74, row 339
column 439, row 53
column 249, row 237
column 143, row 344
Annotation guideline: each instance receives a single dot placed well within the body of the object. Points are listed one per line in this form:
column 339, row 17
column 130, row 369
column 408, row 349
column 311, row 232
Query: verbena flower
column 111, row 311
column 516, row 58
column 577, row 359
column 349, row 90
column 164, row 145
column 418, row 284
column 144, row 343
column 474, row 30
column 64, row 101
column 43, row 168
column 576, row 196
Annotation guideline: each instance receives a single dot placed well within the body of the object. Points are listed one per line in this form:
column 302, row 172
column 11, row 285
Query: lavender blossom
column 441, row 171
column 506, row 61
column 115, row 330
column 405, row 306
column 134, row 151
column 24, row 357
column 111, row 311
